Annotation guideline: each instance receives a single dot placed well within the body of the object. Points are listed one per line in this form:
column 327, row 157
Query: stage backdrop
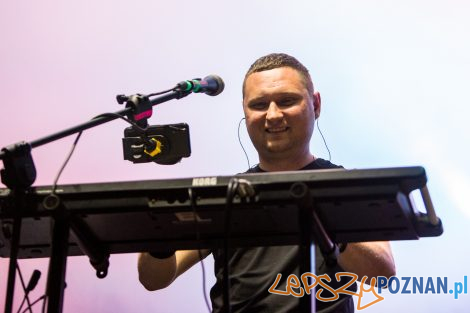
column 393, row 77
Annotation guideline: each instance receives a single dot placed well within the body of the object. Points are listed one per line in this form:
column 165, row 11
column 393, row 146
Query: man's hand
column 369, row 259
column 157, row 273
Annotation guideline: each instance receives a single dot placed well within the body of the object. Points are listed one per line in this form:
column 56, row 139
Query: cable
column 161, row 92
column 143, row 130
column 45, row 298
column 192, row 200
column 231, row 191
column 54, row 186
column 324, row 141
column 246, row 155
column 204, row 286
column 240, row 141
column 26, row 291
column 34, row 302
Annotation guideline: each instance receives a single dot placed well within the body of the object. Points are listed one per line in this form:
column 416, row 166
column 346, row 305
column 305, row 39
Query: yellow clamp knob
column 157, row 150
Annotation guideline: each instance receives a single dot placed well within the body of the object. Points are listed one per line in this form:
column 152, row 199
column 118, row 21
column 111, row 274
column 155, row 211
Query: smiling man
column 280, row 107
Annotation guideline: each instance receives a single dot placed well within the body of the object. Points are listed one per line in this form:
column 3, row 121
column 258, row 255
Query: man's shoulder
column 317, row 164
column 320, row 163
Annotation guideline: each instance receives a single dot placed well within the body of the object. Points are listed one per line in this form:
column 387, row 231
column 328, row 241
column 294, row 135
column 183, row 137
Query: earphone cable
column 241, row 144
column 324, row 141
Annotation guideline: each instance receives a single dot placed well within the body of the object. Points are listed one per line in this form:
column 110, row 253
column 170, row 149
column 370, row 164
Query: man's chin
column 277, row 148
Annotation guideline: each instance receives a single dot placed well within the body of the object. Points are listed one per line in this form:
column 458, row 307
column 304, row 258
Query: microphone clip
column 141, row 108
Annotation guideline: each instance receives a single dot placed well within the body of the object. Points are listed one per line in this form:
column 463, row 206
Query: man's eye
column 287, row 101
column 257, row 105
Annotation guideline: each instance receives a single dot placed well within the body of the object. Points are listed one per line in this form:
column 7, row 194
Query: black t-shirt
column 254, row 270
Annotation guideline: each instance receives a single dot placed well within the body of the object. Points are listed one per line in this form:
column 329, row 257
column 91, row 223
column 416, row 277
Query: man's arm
column 369, row 259
column 156, row 273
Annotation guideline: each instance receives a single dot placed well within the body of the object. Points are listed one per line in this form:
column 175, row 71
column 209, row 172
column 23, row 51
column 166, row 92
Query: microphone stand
column 19, row 174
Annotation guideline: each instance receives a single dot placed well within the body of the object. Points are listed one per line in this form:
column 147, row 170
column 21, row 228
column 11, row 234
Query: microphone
column 33, row 281
column 211, row 85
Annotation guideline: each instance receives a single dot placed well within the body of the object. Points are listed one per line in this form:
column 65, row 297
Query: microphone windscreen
column 33, row 281
column 218, row 82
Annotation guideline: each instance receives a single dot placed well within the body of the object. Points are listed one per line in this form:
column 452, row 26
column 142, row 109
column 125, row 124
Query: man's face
column 280, row 114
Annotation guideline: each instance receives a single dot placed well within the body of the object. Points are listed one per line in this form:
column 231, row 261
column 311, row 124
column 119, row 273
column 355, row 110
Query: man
column 280, row 106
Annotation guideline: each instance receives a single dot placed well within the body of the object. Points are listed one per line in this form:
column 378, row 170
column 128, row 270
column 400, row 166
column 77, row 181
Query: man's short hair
column 276, row 60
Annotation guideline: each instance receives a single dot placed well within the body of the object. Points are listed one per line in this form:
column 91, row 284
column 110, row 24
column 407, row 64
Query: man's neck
column 285, row 164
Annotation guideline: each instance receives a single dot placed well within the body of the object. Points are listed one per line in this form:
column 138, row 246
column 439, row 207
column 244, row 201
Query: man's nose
column 273, row 112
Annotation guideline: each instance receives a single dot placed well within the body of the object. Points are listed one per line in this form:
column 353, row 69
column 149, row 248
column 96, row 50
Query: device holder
column 162, row 144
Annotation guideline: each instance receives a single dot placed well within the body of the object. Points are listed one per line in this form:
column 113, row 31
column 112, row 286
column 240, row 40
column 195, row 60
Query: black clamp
column 19, row 171
column 140, row 105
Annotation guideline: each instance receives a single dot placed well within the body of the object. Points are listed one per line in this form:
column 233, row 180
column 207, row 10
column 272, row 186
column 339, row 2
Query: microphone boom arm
column 18, row 151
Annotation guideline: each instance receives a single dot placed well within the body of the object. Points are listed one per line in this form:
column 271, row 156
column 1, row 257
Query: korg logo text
column 205, row 181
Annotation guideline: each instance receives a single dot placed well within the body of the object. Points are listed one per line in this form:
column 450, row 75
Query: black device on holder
column 162, row 144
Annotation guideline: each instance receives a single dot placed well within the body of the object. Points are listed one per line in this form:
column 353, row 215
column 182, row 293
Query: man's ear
column 316, row 104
